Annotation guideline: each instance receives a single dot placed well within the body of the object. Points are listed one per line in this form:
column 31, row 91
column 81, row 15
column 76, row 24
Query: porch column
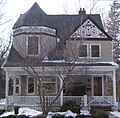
column 114, row 88
column 103, row 86
column 92, row 87
column 14, row 86
column 6, row 89
column 61, row 94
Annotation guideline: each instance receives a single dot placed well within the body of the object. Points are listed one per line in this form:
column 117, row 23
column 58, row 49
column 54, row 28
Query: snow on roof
column 79, row 62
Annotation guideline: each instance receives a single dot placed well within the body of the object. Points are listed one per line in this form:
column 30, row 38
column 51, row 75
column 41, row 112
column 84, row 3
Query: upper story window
column 83, row 50
column 32, row 45
column 95, row 51
column 90, row 50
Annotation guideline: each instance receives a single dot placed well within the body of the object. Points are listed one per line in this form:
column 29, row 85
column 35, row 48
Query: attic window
column 32, row 45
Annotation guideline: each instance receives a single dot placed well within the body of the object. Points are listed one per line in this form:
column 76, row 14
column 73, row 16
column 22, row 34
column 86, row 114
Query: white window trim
column 27, row 46
column 87, row 51
column 19, row 79
column 27, row 86
column 91, row 51
column 14, row 85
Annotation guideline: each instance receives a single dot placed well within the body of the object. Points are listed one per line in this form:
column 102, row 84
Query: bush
column 14, row 116
column 84, row 116
column 98, row 113
column 23, row 116
column 2, row 111
column 10, row 116
column 69, row 105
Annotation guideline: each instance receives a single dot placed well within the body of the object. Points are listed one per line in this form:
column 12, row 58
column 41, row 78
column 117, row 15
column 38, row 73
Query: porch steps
column 105, row 108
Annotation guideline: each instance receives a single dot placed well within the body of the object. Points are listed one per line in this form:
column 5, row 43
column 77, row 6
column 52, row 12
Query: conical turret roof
column 35, row 16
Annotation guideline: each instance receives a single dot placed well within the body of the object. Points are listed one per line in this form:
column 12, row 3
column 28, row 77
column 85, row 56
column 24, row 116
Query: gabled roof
column 90, row 30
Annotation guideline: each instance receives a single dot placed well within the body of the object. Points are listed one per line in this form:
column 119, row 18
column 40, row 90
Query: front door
column 97, row 86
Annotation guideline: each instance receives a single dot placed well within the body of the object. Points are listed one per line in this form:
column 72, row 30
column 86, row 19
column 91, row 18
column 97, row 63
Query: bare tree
column 4, row 46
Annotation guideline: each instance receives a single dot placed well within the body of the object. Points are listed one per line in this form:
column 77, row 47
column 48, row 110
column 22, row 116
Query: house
column 60, row 42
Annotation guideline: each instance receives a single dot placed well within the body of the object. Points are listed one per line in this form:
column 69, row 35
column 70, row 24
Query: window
column 17, row 81
column 83, row 51
column 31, row 85
column 95, row 50
column 33, row 45
column 50, row 85
column 11, row 86
column 14, row 86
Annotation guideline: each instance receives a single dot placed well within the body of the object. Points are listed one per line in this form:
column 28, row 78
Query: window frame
column 14, row 86
column 28, row 85
column 28, row 46
column 87, row 50
column 95, row 44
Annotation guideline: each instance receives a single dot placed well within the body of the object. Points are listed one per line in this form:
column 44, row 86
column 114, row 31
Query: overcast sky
column 14, row 8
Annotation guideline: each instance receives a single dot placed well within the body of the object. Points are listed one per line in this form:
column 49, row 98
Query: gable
column 89, row 30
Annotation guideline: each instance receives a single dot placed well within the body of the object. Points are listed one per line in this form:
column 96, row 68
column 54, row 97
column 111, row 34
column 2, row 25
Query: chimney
column 82, row 11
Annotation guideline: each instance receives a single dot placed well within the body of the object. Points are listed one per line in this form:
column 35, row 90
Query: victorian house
column 60, row 42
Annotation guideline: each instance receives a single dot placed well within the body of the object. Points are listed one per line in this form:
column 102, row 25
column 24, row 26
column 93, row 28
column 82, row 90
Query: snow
column 2, row 101
column 80, row 62
column 23, row 111
column 115, row 113
column 66, row 114
column 32, row 113
column 84, row 112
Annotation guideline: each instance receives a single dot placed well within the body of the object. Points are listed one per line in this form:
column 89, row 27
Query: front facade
column 60, row 42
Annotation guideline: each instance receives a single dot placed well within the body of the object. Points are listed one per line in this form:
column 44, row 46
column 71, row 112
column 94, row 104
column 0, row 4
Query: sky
column 13, row 8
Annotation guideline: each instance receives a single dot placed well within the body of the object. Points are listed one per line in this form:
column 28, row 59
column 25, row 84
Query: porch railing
column 35, row 101
column 100, row 100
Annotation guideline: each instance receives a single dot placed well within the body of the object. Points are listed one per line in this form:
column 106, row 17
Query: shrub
column 98, row 113
column 23, row 116
column 69, row 105
column 14, row 116
column 2, row 111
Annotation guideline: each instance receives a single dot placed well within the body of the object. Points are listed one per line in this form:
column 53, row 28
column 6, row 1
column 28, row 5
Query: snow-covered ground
column 23, row 111
column 116, row 113
column 32, row 113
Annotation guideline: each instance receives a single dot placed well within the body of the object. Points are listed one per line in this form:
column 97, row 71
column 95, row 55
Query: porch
column 34, row 101
column 97, row 87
